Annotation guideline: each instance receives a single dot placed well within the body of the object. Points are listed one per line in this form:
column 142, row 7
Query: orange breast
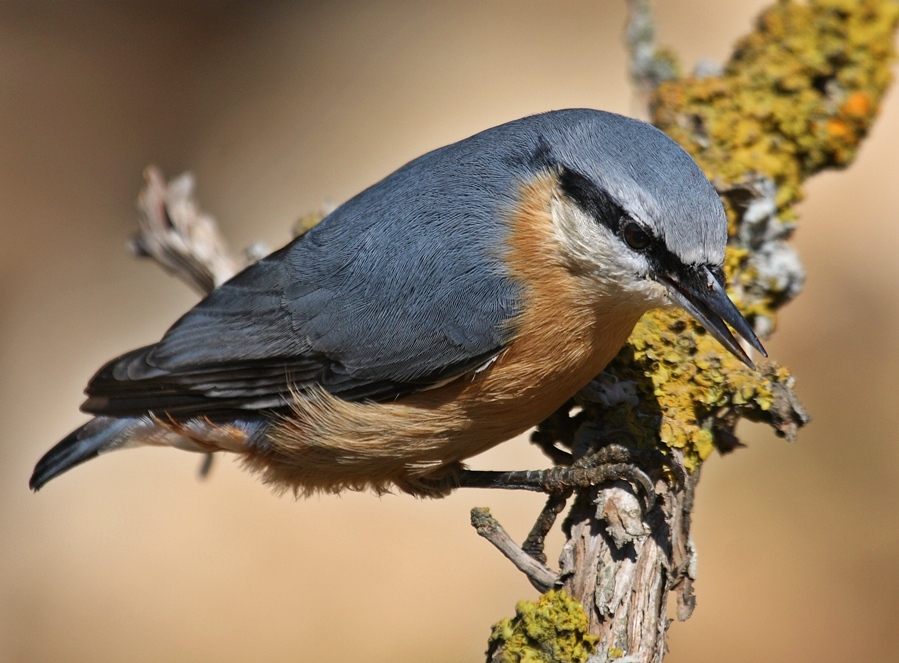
column 563, row 338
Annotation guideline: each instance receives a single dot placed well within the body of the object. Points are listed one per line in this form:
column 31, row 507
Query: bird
column 447, row 308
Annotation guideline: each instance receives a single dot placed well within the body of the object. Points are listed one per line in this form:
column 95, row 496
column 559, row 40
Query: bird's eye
column 636, row 238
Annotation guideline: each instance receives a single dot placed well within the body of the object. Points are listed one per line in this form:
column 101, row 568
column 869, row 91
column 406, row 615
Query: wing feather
column 399, row 289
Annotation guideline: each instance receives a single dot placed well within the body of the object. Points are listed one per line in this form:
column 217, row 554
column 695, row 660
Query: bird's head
column 636, row 215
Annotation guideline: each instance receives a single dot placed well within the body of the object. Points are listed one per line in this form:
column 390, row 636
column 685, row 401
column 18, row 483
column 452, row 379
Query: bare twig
column 648, row 67
column 542, row 577
column 179, row 236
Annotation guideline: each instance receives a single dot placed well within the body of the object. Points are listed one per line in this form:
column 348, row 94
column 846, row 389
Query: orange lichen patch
column 837, row 128
column 857, row 105
column 804, row 65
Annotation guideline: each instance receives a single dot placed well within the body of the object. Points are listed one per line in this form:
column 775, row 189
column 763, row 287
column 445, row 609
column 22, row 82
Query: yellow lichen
column 798, row 95
column 683, row 378
column 552, row 629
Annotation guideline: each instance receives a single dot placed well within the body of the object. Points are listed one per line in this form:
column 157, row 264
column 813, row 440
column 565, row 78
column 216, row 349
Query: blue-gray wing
column 402, row 287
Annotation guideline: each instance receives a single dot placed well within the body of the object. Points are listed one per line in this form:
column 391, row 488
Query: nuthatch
column 449, row 307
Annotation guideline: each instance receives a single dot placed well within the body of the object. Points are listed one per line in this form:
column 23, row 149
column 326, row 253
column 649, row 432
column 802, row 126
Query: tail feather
column 103, row 433
column 96, row 436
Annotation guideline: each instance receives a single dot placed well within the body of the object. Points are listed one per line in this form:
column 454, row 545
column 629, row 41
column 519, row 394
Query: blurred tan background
column 277, row 108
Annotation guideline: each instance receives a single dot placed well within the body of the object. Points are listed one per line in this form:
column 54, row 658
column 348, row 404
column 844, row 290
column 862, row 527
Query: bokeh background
column 278, row 107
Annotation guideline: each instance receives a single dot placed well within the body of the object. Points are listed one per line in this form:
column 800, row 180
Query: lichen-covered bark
column 799, row 94
column 552, row 629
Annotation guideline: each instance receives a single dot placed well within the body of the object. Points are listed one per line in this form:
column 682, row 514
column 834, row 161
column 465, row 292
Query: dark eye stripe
column 595, row 202
column 600, row 206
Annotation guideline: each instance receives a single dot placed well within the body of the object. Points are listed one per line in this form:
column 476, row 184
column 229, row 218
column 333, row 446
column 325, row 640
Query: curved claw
column 616, row 453
column 638, row 479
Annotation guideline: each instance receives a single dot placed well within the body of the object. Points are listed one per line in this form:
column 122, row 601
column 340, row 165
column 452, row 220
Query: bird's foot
column 534, row 544
column 612, row 462
column 609, row 463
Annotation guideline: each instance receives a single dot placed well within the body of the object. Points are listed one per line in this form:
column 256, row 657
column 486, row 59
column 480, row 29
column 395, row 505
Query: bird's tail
column 102, row 434
column 93, row 438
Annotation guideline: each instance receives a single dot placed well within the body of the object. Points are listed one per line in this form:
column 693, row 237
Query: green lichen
column 683, row 381
column 798, row 96
column 552, row 629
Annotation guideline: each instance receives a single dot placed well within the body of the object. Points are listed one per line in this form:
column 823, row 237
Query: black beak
column 702, row 296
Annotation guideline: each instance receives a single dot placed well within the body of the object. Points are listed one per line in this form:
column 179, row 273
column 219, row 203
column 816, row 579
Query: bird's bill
column 702, row 296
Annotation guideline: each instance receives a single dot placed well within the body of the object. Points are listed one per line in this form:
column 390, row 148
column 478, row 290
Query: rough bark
column 798, row 95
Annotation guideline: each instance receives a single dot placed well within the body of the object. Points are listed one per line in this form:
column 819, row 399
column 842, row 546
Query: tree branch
column 770, row 119
column 184, row 241
column 649, row 66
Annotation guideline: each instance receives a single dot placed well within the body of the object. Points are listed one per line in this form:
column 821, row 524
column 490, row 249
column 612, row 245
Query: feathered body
column 447, row 308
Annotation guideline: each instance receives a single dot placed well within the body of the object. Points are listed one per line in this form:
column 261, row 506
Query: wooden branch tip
column 649, row 66
column 173, row 231
column 542, row 577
